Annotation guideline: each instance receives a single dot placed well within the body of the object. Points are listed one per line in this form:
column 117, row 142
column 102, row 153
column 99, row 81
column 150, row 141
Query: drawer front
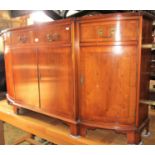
column 22, row 37
column 53, row 34
column 120, row 30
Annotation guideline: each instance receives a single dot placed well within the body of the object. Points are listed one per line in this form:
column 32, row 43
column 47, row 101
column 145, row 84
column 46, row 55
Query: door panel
column 56, row 81
column 108, row 87
column 25, row 76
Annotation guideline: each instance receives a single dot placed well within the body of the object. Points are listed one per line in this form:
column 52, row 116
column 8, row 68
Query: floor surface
column 110, row 137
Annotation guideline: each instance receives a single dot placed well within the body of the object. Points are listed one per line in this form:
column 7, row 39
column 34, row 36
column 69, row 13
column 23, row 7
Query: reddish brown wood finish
column 117, row 30
column 56, row 77
column 25, row 75
column 134, row 137
column 8, row 64
column 43, row 70
column 90, row 71
column 59, row 33
column 144, row 69
column 105, row 76
column 22, row 37
column 111, row 79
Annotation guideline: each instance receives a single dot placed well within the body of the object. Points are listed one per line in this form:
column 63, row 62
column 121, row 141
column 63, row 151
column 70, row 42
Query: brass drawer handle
column 22, row 39
column 52, row 37
column 101, row 33
column 112, row 31
column 49, row 37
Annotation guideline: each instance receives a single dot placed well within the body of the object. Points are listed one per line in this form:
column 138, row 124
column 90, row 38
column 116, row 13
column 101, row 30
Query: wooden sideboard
column 40, row 69
column 90, row 72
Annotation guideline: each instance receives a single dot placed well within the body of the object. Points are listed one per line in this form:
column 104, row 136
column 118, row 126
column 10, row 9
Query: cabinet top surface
column 56, row 22
column 111, row 16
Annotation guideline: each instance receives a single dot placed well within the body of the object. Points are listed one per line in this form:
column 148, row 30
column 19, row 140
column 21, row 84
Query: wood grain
column 89, row 71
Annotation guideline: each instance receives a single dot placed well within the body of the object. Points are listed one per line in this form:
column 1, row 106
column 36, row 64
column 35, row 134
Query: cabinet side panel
column 145, row 68
column 8, row 64
column 9, row 74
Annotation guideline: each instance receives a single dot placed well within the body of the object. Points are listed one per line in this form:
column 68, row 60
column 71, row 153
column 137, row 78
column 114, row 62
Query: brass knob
column 36, row 40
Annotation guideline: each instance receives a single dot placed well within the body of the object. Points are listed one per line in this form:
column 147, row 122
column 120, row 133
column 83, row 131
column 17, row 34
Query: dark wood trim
column 74, row 63
column 138, row 72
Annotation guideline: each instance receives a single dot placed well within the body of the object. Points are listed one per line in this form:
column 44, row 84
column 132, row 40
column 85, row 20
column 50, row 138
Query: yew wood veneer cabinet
column 90, row 72
column 40, row 68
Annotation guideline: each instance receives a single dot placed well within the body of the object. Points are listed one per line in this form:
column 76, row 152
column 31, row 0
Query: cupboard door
column 56, row 81
column 25, row 76
column 108, row 84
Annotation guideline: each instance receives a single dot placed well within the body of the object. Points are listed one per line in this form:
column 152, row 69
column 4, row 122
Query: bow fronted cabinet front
column 90, row 72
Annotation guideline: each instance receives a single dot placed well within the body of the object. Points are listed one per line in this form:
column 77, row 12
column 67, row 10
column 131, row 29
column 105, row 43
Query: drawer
column 54, row 34
column 121, row 30
column 22, row 37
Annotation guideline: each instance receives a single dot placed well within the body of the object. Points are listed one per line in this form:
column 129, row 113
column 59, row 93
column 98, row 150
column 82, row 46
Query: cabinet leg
column 2, row 141
column 74, row 129
column 32, row 136
column 19, row 111
column 8, row 102
column 16, row 110
column 133, row 137
column 83, row 131
column 146, row 132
